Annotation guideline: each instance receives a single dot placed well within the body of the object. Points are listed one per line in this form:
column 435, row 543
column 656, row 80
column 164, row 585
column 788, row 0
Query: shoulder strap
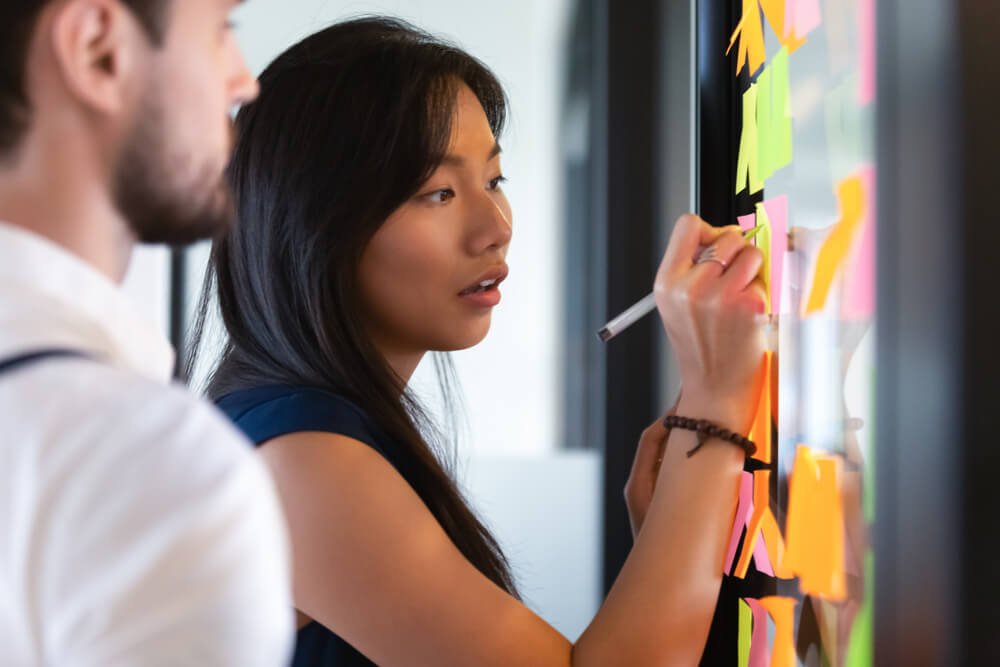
column 12, row 363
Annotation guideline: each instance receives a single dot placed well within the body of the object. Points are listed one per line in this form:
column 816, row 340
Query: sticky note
column 850, row 193
column 760, row 429
column 860, row 646
column 748, row 161
column 859, row 284
column 782, row 611
column 760, row 652
column 761, row 491
column 777, row 217
column 750, row 34
column 761, row 523
column 746, row 628
column 776, row 13
column 815, row 526
column 747, row 222
column 774, row 121
column 866, row 51
column 744, row 508
column 761, row 559
column 763, row 240
column 826, row 619
column 775, row 545
column 805, row 15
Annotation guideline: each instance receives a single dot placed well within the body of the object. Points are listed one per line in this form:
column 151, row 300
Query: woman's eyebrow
column 459, row 161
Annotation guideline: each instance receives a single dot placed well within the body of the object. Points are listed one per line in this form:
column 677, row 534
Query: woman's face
column 430, row 275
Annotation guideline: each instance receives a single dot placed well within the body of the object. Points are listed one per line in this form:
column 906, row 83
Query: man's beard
column 165, row 197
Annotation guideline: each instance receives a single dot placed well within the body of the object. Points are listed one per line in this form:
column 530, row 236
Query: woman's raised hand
column 710, row 299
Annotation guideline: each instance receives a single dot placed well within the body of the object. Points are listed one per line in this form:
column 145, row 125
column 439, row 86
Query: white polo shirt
column 137, row 527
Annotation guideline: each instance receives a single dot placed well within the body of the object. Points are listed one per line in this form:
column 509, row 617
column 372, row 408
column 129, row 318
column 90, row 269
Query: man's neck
column 51, row 200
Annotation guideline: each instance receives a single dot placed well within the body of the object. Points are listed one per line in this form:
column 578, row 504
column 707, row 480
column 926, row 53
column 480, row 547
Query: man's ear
column 96, row 44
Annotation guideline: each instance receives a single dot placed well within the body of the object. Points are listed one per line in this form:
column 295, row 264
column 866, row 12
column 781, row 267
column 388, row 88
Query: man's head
column 142, row 88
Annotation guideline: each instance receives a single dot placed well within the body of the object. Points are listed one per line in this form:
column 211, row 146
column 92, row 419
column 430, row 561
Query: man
column 136, row 526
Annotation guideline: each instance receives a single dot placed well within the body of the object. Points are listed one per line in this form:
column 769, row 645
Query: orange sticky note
column 762, row 525
column 748, row 161
column 750, row 34
column 775, row 12
column 850, row 192
column 760, row 430
column 815, row 526
column 782, row 611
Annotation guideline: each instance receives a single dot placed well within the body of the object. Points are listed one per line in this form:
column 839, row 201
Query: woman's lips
column 482, row 299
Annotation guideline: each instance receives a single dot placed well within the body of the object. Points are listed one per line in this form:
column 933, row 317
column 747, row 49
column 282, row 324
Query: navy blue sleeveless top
column 268, row 412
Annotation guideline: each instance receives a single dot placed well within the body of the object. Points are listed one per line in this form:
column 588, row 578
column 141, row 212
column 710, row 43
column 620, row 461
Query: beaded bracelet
column 706, row 430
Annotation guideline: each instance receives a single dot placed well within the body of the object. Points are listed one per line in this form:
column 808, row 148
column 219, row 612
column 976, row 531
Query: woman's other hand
column 711, row 309
column 645, row 470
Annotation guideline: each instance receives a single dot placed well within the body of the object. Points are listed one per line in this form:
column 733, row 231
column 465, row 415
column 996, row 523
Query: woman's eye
column 440, row 196
column 497, row 182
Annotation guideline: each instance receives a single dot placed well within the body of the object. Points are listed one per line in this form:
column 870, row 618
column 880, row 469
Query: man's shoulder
column 109, row 413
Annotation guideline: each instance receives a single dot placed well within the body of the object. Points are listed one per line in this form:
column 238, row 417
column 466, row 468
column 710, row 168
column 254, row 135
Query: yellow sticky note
column 748, row 162
column 815, row 526
column 743, row 642
column 750, row 34
column 765, row 146
column 850, row 192
column 763, row 240
column 782, row 611
column 781, row 110
column 774, row 121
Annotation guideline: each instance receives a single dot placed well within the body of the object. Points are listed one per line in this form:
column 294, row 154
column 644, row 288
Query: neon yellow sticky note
column 774, row 121
column 765, row 126
column 781, row 111
column 815, row 526
column 743, row 642
column 782, row 611
column 748, row 162
column 860, row 647
column 850, row 192
column 750, row 34
column 763, row 240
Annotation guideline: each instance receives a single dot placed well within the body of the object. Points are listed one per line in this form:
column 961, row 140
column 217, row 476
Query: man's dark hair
column 17, row 24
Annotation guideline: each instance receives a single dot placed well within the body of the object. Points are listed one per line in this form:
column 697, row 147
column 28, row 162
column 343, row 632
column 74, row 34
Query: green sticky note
column 743, row 644
column 860, row 648
column 748, row 162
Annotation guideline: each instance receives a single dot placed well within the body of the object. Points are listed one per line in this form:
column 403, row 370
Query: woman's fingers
column 744, row 267
column 716, row 259
column 690, row 234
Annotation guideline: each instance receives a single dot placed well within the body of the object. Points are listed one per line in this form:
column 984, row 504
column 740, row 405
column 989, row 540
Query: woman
column 372, row 229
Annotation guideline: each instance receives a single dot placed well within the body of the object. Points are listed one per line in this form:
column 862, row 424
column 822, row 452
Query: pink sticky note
column 806, row 14
column 760, row 557
column 743, row 511
column 777, row 214
column 747, row 222
column 760, row 654
column 860, row 286
column 866, row 51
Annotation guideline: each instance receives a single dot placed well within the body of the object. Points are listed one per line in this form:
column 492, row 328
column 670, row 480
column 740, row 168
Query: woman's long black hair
column 351, row 121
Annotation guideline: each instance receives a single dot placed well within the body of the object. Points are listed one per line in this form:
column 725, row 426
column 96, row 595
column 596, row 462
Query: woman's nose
column 493, row 229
